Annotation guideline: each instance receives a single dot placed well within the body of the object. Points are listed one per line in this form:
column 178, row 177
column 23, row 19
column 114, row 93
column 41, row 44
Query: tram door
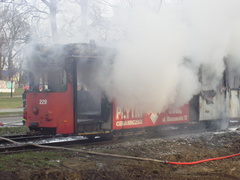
column 88, row 95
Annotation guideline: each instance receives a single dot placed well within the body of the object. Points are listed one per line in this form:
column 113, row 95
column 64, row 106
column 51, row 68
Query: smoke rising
column 158, row 62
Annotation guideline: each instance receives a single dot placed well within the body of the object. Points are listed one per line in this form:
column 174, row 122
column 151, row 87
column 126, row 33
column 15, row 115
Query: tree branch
column 46, row 2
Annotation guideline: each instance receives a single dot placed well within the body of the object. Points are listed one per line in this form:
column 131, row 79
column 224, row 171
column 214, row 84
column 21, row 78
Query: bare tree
column 93, row 11
column 84, row 15
column 14, row 30
column 2, row 57
column 52, row 5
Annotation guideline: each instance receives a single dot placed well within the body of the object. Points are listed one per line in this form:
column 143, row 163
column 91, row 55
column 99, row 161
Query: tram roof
column 56, row 55
column 72, row 50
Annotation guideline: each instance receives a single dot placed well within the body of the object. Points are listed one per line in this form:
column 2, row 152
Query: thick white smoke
column 158, row 63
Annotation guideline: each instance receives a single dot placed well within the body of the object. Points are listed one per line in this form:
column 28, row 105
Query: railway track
column 21, row 143
column 14, row 146
column 23, row 138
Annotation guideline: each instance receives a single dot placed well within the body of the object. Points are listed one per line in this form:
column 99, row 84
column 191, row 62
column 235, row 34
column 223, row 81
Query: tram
column 65, row 96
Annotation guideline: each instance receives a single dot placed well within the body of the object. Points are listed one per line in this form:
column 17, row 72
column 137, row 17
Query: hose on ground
column 120, row 156
column 85, row 152
column 204, row 160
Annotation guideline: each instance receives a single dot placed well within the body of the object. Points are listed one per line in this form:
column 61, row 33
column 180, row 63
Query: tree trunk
column 52, row 5
column 53, row 19
column 10, row 73
column 84, row 16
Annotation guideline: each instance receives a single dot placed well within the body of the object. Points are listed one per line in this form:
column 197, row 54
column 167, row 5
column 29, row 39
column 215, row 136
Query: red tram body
column 51, row 110
column 128, row 119
column 57, row 105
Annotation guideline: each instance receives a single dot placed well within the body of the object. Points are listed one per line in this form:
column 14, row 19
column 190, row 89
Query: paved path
column 11, row 121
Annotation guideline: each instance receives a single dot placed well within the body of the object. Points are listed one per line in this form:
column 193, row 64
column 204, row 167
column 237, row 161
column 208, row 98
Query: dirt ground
column 183, row 148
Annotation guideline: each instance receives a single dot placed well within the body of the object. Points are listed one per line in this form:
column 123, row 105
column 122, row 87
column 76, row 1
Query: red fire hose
column 204, row 160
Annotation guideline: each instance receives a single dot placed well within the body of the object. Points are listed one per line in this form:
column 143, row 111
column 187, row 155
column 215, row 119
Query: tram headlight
column 35, row 110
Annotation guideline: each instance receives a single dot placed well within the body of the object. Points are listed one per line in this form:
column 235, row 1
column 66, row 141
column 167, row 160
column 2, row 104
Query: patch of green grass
column 8, row 102
column 13, row 130
column 18, row 92
column 12, row 162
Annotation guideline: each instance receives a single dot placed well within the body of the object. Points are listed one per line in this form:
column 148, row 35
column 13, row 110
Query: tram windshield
column 48, row 81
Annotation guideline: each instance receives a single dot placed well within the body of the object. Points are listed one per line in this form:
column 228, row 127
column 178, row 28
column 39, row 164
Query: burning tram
column 65, row 98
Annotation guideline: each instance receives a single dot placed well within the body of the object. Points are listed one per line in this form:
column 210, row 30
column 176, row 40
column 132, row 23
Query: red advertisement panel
column 127, row 118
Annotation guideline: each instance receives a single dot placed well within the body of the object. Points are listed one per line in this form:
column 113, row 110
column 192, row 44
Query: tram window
column 51, row 81
column 57, row 81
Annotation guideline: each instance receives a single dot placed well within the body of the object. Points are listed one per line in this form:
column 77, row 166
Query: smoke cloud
column 158, row 62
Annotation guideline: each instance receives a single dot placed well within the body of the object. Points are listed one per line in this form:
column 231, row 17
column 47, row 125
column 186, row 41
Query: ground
column 181, row 148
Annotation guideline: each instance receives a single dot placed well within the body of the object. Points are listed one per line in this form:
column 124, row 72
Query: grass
column 18, row 92
column 11, row 162
column 13, row 130
column 7, row 102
